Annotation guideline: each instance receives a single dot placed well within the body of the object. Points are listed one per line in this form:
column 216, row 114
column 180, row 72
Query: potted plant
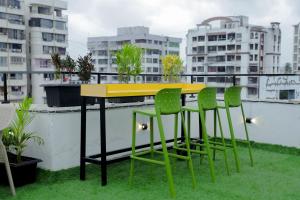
column 16, row 138
column 172, row 68
column 129, row 61
column 66, row 95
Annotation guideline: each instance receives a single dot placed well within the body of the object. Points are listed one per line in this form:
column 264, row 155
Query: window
column 17, row 60
column 174, row 44
column 174, row 53
column 194, row 59
column 60, row 25
column 212, row 38
column 230, row 57
column 286, row 94
column 256, row 46
column 3, row 61
column 46, row 23
column 194, row 69
column 201, row 38
column 253, row 69
column 194, row 39
column 221, row 37
column 47, row 37
column 211, row 79
column 200, row 79
column 252, row 80
column 211, row 69
column 252, row 91
column 200, row 59
column 211, row 49
column 221, row 69
column 102, row 61
column 43, row 63
column 238, row 58
column 230, row 47
column 251, row 46
column 238, row 47
column 44, row 10
column 222, row 48
column 149, row 41
column 149, row 60
column 200, row 69
column 140, row 41
column 155, row 60
column 60, row 38
column 155, row 69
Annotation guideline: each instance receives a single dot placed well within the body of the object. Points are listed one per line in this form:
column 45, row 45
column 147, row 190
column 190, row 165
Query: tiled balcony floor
column 274, row 176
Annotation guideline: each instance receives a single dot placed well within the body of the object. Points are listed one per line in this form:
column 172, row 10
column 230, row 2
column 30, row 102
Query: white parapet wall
column 277, row 123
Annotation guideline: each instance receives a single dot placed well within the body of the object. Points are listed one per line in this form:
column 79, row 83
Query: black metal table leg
column 103, row 142
column 83, row 138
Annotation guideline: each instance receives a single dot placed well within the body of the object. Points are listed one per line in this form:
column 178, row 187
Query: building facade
column 233, row 47
column 154, row 46
column 47, row 33
column 30, row 31
column 296, row 51
column 13, row 48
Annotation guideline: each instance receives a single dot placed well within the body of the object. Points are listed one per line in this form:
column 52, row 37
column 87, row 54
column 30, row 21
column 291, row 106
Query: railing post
column 98, row 78
column 192, row 81
column 234, row 80
column 5, row 88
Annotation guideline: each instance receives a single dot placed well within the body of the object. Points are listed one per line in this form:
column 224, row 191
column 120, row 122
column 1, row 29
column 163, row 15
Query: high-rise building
column 234, row 46
column 13, row 48
column 296, row 52
column 47, row 33
column 154, row 46
column 30, row 31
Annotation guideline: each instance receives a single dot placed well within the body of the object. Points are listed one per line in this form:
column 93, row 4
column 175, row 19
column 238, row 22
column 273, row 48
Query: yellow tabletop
column 125, row 90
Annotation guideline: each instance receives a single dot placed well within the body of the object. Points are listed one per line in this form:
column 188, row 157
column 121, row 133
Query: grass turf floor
column 275, row 176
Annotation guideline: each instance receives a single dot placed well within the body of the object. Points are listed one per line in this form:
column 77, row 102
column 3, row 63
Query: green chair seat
column 190, row 108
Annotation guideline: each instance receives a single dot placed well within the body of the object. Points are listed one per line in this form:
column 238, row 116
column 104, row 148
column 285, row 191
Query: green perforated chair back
column 207, row 98
column 232, row 96
column 167, row 101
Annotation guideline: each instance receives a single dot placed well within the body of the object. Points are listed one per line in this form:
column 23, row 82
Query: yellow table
column 103, row 91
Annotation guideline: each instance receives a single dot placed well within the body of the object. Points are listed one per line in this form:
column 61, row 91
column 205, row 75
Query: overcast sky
column 174, row 17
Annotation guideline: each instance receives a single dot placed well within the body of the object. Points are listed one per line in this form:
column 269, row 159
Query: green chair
column 232, row 99
column 207, row 102
column 167, row 102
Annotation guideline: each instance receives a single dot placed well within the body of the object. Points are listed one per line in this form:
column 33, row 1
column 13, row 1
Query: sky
column 88, row 18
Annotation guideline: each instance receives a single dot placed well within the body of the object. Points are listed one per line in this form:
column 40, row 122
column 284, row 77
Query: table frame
column 103, row 155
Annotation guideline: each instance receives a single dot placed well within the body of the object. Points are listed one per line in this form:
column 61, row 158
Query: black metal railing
column 232, row 76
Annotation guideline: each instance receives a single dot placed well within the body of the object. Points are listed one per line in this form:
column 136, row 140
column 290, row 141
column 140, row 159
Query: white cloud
column 173, row 17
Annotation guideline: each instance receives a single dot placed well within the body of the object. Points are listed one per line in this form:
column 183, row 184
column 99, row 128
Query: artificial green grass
column 274, row 176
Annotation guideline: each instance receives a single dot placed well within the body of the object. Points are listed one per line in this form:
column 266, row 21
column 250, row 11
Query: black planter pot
column 23, row 173
column 64, row 96
column 127, row 99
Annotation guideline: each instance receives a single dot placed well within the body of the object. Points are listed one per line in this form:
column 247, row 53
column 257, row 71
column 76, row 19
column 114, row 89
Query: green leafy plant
column 85, row 67
column 16, row 136
column 61, row 65
column 172, row 67
column 129, row 61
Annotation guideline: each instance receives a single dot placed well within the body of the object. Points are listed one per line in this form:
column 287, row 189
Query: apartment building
column 47, row 33
column 154, row 46
column 296, row 51
column 13, row 48
column 30, row 31
column 233, row 47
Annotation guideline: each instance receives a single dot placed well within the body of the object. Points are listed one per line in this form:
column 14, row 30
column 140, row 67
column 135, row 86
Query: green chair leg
column 237, row 161
column 215, row 133
column 247, row 136
column 206, row 142
column 132, row 147
column 166, row 157
column 151, row 137
column 223, row 142
column 187, row 143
